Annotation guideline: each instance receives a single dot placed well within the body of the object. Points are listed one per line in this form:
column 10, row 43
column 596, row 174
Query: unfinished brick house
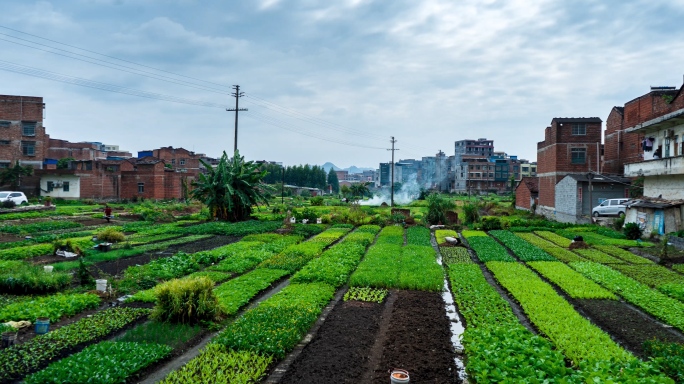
column 571, row 146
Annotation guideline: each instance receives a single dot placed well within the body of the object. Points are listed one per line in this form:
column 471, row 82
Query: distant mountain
column 355, row 169
column 352, row 169
column 329, row 165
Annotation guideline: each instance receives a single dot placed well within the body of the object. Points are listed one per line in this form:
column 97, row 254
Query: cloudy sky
column 333, row 80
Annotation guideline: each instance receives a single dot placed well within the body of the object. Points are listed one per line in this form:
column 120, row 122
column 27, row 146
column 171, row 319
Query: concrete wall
column 671, row 187
column 74, row 186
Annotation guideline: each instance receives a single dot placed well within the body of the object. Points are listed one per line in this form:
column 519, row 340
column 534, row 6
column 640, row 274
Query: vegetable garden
column 191, row 301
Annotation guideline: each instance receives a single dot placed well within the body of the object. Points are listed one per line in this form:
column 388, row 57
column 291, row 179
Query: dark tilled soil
column 116, row 267
column 8, row 238
column 203, row 245
column 341, row 347
column 418, row 339
column 630, row 328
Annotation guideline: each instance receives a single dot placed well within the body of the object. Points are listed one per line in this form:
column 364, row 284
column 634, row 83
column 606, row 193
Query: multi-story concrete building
column 479, row 147
column 570, row 146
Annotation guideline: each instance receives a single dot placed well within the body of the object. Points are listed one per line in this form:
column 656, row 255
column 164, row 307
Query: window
column 28, row 128
column 4, row 165
column 65, row 186
column 173, row 161
column 50, row 186
column 28, row 148
column 5, row 124
column 578, row 155
column 141, row 187
column 579, row 129
column 182, row 161
column 4, row 142
column 491, row 175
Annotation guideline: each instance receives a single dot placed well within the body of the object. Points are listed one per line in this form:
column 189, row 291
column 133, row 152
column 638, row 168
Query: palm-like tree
column 231, row 188
column 359, row 190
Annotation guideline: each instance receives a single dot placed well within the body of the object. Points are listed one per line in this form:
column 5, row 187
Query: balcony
column 658, row 167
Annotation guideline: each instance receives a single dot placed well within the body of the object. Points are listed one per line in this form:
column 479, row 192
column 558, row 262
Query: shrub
column 186, row 301
column 632, row 231
column 438, row 205
column 110, row 235
column 9, row 204
column 490, row 223
column 316, row 201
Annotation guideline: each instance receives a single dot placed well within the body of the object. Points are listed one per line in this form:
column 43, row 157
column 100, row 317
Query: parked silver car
column 610, row 207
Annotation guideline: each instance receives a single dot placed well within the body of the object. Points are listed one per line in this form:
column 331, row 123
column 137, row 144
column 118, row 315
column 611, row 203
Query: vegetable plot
column 657, row 304
column 574, row 335
column 106, row 362
column 524, row 250
column 55, row 307
column 570, row 281
column 554, row 250
column 488, row 249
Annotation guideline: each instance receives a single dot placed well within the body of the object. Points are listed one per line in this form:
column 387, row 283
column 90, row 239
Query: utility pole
column 237, row 94
column 392, row 140
column 282, row 187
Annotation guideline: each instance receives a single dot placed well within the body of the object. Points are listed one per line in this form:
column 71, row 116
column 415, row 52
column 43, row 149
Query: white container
column 319, row 221
column 101, row 285
column 399, row 376
column 293, row 220
column 47, row 268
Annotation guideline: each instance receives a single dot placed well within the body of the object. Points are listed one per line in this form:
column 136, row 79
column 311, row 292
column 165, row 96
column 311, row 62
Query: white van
column 610, row 207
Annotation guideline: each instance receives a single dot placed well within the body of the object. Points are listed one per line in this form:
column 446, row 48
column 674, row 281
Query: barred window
column 28, row 148
column 28, row 128
column 141, row 187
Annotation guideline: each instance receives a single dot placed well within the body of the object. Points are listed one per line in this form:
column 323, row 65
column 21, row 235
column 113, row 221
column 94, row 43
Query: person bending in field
column 108, row 212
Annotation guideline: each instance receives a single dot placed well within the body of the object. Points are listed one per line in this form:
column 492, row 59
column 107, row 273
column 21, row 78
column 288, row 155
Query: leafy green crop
column 106, row 362
column 335, row 264
column 234, row 294
column 554, row 238
column 468, row 234
column 652, row 275
column 42, row 226
column 26, row 252
column 454, row 255
column 554, row 250
column 570, row 281
column 524, row 250
column 23, row 278
column 598, row 256
column 154, row 332
column 366, row 294
column 54, row 307
column 379, row 268
column 21, row 359
column 232, row 229
column 574, row 335
column 219, row 365
column 418, row 236
column 441, row 234
column 418, row 269
column 622, row 254
column 487, row 249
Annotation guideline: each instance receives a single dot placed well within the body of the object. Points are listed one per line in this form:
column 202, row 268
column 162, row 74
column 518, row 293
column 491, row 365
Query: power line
column 115, row 66
column 35, row 72
column 115, row 58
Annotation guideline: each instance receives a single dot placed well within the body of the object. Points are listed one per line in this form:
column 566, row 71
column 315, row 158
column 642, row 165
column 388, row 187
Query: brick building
column 527, row 193
column 570, row 146
column 623, row 145
column 22, row 134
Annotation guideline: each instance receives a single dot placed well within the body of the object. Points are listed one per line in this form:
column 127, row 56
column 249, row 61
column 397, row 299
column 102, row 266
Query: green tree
column 359, row 190
column 64, row 162
column 231, row 188
column 438, row 206
column 334, row 181
column 12, row 176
